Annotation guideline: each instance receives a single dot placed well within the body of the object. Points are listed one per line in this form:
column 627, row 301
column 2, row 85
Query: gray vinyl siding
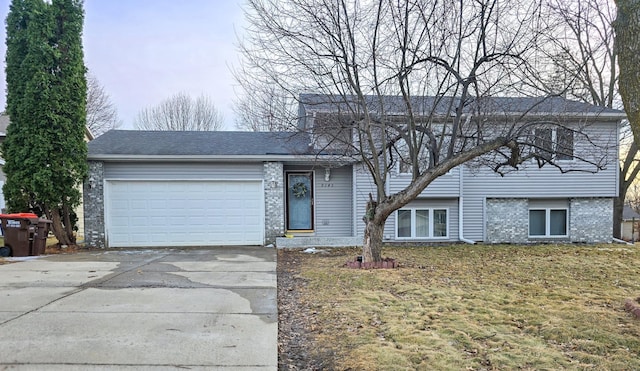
column 473, row 218
column 364, row 185
column 439, row 198
column 548, row 182
column 183, row 171
column 447, row 185
column 333, row 205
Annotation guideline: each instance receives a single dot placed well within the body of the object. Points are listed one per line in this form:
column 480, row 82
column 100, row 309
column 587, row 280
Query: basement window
column 422, row 223
column 548, row 222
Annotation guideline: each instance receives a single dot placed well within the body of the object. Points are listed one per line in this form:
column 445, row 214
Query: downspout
column 354, row 203
column 621, row 241
column 461, row 209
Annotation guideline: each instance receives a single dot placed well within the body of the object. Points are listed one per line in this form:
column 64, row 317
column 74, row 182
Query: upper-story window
column 404, row 160
column 332, row 131
column 554, row 143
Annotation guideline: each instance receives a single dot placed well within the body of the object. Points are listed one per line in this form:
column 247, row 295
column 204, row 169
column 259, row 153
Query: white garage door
column 184, row 213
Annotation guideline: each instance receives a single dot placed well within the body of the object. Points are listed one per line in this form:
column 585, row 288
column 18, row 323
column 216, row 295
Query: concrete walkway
column 141, row 309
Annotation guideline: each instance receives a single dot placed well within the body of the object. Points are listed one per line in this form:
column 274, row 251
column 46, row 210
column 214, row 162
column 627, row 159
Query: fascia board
column 613, row 116
column 215, row 158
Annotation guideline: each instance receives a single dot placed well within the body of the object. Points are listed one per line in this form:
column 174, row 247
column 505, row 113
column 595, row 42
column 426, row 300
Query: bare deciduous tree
column 413, row 82
column 581, row 64
column 263, row 106
column 627, row 48
column 102, row 115
column 180, row 113
column 627, row 45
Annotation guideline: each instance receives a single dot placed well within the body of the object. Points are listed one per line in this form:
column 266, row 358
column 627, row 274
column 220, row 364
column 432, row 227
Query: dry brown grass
column 477, row 307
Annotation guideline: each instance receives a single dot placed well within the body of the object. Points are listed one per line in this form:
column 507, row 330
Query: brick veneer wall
column 507, row 220
column 590, row 220
column 93, row 199
column 273, row 201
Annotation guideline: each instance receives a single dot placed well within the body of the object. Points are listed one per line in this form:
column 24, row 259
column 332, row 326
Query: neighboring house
column 630, row 224
column 160, row 188
column 4, row 123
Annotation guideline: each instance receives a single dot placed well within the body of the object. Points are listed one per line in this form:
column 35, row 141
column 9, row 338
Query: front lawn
column 473, row 307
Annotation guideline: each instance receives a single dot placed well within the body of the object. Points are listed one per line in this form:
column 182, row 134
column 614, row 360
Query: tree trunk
column 627, row 45
column 618, row 207
column 373, row 231
column 58, row 228
column 372, row 246
column 68, row 225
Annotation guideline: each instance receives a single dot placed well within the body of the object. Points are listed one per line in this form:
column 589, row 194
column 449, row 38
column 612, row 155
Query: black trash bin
column 40, row 237
column 18, row 230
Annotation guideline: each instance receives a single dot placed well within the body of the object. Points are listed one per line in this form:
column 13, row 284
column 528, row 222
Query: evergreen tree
column 45, row 152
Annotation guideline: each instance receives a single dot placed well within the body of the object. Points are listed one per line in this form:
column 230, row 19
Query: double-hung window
column 422, row 223
column 554, row 143
column 548, row 222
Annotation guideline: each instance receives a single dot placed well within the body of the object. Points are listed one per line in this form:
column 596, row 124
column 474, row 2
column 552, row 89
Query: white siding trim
column 484, row 218
column 208, row 179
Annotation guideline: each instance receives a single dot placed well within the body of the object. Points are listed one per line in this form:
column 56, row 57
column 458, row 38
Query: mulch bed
column 386, row 263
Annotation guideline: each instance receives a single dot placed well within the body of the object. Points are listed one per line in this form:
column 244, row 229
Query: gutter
column 226, row 158
column 461, row 210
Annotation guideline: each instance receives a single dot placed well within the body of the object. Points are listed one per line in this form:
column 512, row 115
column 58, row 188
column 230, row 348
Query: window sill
column 548, row 237
column 421, row 238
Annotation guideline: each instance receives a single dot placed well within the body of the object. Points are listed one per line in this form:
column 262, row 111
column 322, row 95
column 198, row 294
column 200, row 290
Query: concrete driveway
column 141, row 309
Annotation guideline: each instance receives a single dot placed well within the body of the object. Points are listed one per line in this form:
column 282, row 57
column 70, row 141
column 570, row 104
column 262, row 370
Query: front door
column 300, row 201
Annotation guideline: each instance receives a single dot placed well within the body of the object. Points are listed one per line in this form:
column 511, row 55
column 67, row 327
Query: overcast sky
column 143, row 51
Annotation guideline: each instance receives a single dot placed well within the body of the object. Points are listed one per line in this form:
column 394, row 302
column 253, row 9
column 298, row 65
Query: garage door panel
column 184, row 213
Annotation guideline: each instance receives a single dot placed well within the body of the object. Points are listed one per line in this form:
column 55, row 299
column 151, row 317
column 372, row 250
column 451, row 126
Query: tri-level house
column 291, row 189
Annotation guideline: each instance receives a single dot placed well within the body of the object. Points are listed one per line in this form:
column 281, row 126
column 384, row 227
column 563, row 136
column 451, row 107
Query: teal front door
column 300, row 201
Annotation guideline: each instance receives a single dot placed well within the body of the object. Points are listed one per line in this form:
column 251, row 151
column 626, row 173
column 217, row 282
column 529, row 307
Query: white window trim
column 547, row 226
column 431, row 224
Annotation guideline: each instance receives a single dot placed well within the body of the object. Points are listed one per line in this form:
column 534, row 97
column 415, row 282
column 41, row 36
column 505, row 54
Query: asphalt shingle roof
column 236, row 143
column 198, row 143
column 628, row 213
column 444, row 105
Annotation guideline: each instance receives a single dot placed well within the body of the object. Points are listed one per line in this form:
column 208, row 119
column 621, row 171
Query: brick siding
column 93, row 199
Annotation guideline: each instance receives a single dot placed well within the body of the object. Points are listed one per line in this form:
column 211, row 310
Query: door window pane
column 439, row 223
column 558, row 222
column 537, row 222
column 422, row 223
column 404, row 223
